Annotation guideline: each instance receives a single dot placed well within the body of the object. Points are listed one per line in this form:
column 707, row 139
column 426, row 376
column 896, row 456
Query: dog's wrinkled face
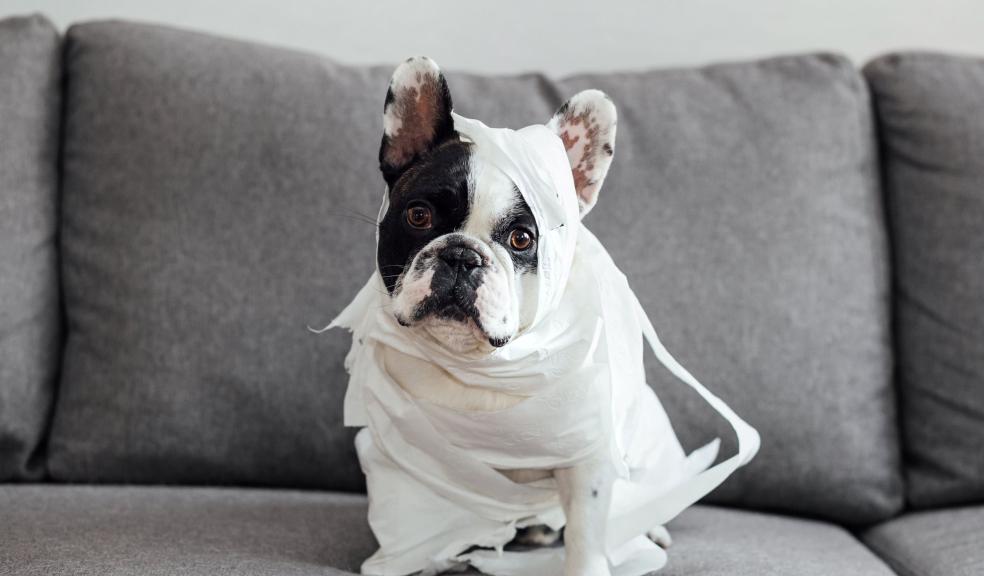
column 458, row 244
column 457, row 249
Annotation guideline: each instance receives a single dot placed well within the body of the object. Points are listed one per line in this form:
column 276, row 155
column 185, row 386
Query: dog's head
column 458, row 244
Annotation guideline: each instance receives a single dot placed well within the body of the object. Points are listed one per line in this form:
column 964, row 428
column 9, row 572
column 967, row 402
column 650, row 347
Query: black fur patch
column 439, row 180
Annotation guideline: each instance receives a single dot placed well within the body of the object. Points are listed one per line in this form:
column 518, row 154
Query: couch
column 176, row 209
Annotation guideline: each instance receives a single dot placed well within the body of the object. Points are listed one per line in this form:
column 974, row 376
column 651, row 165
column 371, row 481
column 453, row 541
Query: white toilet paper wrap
column 435, row 492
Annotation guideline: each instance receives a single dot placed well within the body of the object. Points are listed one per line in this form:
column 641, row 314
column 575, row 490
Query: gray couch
column 176, row 209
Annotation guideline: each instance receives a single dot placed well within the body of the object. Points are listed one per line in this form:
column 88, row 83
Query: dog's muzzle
column 459, row 269
column 462, row 259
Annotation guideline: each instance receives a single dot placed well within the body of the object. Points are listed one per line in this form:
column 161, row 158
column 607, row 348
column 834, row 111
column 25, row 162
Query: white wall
column 557, row 37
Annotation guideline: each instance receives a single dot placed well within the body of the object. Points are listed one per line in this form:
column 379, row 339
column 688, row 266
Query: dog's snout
column 462, row 256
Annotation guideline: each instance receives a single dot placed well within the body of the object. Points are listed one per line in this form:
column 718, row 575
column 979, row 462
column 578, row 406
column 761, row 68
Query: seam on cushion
column 869, row 136
column 42, row 451
column 881, row 154
column 899, row 565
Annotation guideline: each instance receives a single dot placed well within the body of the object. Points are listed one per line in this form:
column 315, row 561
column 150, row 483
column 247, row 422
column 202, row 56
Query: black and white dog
column 458, row 255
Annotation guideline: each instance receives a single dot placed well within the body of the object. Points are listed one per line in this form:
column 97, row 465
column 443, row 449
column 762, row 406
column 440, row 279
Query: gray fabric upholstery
column 211, row 193
column 112, row 530
column 209, row 190
column 718, row 541
column 939, row 543
column 931, row 111
column 218, row 199
column 30, row 96
column 117, row 531
column 743, row 205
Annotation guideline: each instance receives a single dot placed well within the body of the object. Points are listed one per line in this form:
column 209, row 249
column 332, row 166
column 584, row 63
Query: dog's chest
column 427, row 382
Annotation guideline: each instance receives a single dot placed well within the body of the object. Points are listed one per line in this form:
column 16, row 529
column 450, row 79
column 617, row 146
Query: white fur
column 408, row 75
column 411, row 291
column 588, row 128
column 492, row 197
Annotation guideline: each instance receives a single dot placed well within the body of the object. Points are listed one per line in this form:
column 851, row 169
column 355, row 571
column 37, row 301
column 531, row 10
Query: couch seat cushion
column 713, row 541
column 78, row 530
column 947, row 542
column 109, row 530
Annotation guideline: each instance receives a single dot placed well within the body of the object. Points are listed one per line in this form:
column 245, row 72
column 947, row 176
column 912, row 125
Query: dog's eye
column 520, row 239
column 419, row 217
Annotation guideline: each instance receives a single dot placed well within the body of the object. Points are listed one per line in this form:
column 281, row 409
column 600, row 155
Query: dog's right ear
column 416, row 116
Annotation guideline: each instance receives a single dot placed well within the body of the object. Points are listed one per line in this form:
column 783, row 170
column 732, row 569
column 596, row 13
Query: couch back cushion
column 931, row 112
column 30, row 72
column 744, row 206
column 215, row 198
column 219, row 199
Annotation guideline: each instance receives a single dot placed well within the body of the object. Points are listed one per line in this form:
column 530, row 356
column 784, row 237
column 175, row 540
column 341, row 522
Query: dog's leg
column 661, row 536
column 538, row 535
column 585, row 493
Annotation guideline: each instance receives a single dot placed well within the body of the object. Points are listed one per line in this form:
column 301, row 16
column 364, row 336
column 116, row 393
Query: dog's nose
column 461, row 256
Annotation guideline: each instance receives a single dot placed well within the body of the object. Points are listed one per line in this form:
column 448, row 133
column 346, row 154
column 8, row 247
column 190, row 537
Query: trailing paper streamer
column 434, row 488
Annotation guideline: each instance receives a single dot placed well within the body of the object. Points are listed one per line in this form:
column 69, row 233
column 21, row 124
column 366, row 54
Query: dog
column 457, row 252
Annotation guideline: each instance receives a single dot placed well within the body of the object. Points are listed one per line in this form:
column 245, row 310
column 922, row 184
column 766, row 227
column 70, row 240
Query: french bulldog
column 457, row 252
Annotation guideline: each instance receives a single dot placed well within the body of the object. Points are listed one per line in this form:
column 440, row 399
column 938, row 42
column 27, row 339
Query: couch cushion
column 30, row 72
column 79, row 530
column 209, row 192
column 719, row 541
column 933, row 543
column 743, row 205
column 931, row 111
column 218, row 199
column 188, row 531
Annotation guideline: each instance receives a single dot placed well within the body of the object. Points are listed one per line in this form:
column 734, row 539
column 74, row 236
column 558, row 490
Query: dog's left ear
column 586, row 124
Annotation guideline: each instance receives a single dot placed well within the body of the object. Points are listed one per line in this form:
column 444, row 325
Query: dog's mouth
column 455, row 312
column 452, row 321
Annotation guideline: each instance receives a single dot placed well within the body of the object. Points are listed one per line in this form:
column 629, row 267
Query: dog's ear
column 416, row 116
column 586, row 124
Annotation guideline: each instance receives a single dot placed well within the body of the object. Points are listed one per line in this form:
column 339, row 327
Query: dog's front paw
column 661, row 536
column 594, row 566
column 446, row 567
column 536, row 536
